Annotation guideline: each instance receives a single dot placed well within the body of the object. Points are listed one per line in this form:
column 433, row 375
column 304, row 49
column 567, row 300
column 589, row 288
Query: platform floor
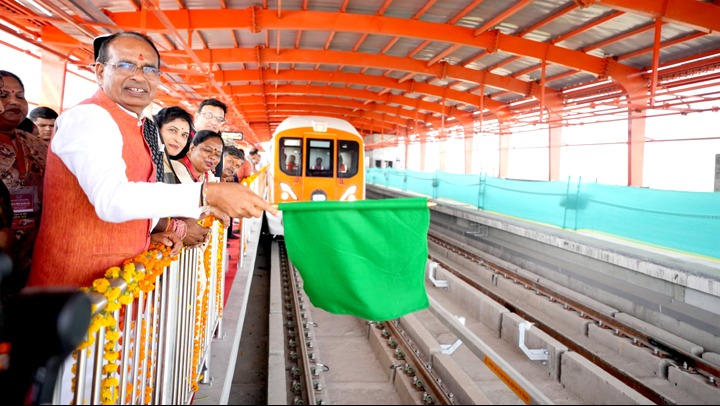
column 227, row 349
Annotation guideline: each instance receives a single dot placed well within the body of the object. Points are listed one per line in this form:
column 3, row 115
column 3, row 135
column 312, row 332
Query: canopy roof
column 388, row 66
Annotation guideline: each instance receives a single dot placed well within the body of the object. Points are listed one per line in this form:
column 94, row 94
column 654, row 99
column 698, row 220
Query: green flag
column 365, row 258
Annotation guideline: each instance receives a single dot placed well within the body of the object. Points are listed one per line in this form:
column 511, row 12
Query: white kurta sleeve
column 89, row 143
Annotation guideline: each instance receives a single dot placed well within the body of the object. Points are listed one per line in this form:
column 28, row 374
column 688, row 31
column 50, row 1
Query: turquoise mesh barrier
column 684, row 221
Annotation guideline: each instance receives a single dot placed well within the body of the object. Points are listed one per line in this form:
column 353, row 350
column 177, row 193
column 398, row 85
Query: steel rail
column 430, row 383
column 303, row 357
column 661, row 348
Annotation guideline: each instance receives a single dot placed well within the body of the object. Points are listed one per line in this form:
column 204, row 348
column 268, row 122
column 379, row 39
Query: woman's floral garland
column 152, row 264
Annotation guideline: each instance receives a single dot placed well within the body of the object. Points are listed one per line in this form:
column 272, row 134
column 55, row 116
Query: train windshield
column 347, row 158
column 291, row 156
column 320, row 158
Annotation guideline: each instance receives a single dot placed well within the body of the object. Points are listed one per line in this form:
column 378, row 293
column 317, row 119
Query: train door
column 349, row 171
column 287, row 170
column 320, row 170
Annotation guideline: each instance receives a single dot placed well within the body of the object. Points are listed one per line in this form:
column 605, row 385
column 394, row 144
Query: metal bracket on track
column 533, row 355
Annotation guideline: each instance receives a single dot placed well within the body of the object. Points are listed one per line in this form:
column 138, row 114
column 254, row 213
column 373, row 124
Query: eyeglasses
column 129, row 69
column 208, row 115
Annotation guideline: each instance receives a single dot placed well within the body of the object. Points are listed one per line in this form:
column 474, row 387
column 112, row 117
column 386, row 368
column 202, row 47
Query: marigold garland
column 140, row 274
column 201, row 306
column 219, row 271
column 139, row 278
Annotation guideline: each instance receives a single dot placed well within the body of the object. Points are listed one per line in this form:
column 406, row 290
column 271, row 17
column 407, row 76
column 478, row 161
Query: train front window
column 290, row 159
column 320, row 158
column 347, row 158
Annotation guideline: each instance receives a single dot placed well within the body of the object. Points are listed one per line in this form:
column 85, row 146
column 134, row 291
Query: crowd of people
column 86, row 189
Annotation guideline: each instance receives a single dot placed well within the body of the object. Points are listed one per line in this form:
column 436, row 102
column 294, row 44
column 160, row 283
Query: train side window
column 347, row 158
column 319, row 158
column 290, row 158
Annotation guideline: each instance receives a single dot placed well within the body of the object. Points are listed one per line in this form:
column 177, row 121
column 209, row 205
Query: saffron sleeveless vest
column 74, row 246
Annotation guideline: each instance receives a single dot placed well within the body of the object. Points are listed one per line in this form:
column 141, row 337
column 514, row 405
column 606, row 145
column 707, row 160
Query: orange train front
column 315, row 159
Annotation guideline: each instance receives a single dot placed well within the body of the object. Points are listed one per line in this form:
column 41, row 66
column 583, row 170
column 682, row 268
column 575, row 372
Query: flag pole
column 429, row 204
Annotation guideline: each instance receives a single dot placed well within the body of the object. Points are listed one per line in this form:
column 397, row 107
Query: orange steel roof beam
column 587, row 27
column 502, row 16
column 171, row 28
column 358, row 122
column 470, row 7
column 353, row 78
column 620, row 37
column 74, row 21
column 303, row 20
column 384, row 7
column 665, row 44
column 378, row 61
column 424, row 9
column 699, row 15
column 357, row 95
column 552, row 17
column 443, row 54
column 257, row 115
column 503, row 63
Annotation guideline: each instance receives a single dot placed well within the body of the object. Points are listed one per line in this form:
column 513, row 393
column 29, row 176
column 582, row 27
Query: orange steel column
column 554, row 142
column 406, row 145
column 504, row 141
column 52, row 81
column 636, row 146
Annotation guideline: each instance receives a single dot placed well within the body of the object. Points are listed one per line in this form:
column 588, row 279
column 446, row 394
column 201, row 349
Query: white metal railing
column 162, row 338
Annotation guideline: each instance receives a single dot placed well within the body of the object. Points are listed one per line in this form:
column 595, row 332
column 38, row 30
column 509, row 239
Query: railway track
column 452, row 353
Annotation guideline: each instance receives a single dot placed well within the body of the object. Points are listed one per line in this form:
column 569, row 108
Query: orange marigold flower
column 101, row 285
column 111, row 356
column 112, row 294
column 112, row 335
column 113, row 272
column 126, row 299
column 109, row 368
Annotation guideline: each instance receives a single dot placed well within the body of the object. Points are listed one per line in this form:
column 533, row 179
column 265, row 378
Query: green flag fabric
column 364, row 258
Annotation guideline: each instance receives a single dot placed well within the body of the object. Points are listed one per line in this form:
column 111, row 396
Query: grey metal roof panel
column 485, row 12
column 344, row 41
column 351, row 69
column 707, row 43
column 491, row 59
column 245, row 3
column 622, row 24
column 573, row 20
column 308, row 39
column 404, row 8
column 528, row 15
column 373, row 44
column 247, row 39
column 365, row 6
column 403, row 46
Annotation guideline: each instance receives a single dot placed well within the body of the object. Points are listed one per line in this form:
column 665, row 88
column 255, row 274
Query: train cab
column 315, row 159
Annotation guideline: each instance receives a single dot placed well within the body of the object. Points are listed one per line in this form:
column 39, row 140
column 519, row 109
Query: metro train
column 315, row 159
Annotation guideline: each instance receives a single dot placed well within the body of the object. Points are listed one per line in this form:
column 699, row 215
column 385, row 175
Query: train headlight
column 318, row 196
column 349, row 194
column 287, row 192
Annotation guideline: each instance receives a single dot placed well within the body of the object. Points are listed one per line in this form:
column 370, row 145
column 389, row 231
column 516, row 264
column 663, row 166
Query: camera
column 42, row 327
